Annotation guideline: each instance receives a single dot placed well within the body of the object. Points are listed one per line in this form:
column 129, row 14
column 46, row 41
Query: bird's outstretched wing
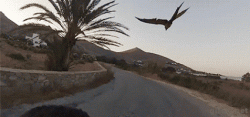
column 176, row 13
column 153, row 21
column 181, row 13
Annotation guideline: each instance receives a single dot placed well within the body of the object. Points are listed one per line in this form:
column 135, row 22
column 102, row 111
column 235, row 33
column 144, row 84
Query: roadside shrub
column 169, row 69
column 9, row 42
column 3, row 35
column 153, row 67
column 88, row 58
column 186, row 82
column 17, row 56
column 122, row 64
column 28, row 56
column 102, row 58
column 175, row 79
column 163, row 76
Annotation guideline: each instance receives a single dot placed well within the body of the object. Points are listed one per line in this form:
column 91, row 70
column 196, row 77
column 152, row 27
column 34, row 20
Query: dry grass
column 33, row 61
column 8, row 101
column 234, row 93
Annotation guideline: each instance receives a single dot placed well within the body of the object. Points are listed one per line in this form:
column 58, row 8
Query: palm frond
column 55, row 6
column 98, row 12
column 107, row 25
column 104, row 40
column 93, row 4
column 99, row 21
column 105, row 35
column 52, row 17
column 38, row 18
column 35, row 5
column 64, row 10
column 111, row 30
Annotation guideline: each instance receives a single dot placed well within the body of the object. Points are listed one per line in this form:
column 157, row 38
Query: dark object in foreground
column 165, row 22
column 55, row 111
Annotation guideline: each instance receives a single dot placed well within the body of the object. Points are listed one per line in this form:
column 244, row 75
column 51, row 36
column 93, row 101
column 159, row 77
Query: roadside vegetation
column 17, row 56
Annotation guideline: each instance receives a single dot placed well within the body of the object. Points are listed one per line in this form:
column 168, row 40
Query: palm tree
column 75, row 20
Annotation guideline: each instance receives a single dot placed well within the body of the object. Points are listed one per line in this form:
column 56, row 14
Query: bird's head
column 168, row 25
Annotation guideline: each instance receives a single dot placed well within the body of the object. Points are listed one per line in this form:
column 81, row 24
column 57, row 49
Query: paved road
column 139, row 97
column 129, row 95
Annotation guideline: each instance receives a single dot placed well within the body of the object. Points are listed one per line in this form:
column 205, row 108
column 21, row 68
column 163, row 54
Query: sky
column 212, row 36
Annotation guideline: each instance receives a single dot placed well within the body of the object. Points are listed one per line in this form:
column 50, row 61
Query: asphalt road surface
column 129, row 95
column 136, row 96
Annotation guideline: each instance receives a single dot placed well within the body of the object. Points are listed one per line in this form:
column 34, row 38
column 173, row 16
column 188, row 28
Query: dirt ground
column 35, row 62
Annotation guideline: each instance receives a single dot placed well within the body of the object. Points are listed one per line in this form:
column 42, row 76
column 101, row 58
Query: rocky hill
column 6, row 24
column 129, row 55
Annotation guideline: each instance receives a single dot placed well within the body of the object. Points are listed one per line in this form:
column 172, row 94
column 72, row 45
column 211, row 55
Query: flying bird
column 165, row 22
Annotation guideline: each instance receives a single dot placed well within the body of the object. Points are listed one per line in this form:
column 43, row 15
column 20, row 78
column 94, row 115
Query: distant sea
column 231, row 77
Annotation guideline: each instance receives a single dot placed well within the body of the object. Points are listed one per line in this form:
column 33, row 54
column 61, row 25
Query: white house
column 231, row 78
column 35, row 40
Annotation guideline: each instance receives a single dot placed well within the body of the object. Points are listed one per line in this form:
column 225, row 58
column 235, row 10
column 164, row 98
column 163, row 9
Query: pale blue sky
column 212, row 36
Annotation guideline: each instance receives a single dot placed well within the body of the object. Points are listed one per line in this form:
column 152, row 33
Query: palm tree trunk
column 66, row 61
column 68, row 44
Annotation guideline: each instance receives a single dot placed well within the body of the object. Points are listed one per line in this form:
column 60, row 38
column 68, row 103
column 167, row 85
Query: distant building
column 36, row 41
column 138, row 63
column 231, row 78
column 171, row 64
column 179, row 69
column 199, row 74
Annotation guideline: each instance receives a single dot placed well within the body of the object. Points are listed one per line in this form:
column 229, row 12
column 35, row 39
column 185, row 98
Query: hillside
column 138, row 54
column 129, row 55
column 86, row 47
column 6, row 24
column 34, row 62
column 89, row 48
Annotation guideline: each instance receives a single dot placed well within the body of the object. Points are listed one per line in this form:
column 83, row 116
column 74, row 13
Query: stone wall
column 13, row 80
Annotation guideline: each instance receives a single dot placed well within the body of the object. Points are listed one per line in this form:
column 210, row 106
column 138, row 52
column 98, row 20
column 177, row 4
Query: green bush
column 17, row 56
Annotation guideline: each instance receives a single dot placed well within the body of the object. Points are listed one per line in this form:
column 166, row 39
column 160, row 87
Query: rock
column 2, row 84
column 18, row 74
column 55, row 111
column 26, row 77
column 46, row 83
column 13, row 78
column 41, row 78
